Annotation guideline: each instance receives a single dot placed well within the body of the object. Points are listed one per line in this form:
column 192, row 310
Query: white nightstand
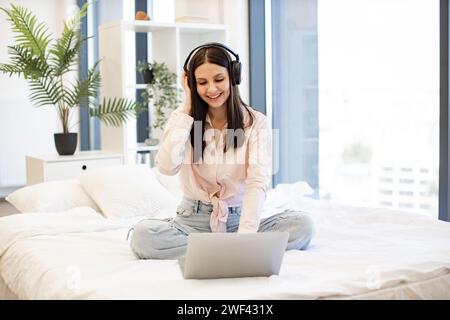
column 54, row 167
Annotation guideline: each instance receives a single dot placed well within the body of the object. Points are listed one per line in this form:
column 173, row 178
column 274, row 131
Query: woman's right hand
column 187, row 94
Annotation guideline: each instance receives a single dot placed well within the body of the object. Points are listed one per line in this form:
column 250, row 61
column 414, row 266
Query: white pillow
column 171, row 183
column 126, row 191
column 51, row 196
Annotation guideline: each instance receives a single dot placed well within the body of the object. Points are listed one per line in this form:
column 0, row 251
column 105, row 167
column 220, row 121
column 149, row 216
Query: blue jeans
column 167, row 238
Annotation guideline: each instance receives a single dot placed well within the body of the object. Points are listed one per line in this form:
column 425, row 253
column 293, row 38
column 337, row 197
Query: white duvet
column 78, row 254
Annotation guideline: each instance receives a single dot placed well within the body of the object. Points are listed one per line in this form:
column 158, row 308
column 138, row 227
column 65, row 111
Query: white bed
column 356, row 253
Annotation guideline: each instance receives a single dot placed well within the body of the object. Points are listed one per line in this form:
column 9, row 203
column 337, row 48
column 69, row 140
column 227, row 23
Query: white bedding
column 356, row 252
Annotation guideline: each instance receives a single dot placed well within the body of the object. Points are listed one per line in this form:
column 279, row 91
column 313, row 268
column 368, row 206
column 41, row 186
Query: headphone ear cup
column 236, row 72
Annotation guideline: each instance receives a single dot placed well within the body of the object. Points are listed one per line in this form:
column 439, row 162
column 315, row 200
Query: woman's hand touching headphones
column 187, row 94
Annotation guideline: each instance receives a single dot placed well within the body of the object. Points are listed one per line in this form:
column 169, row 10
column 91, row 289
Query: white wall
column 24, row 129
column 111, row 10
column 235, row 14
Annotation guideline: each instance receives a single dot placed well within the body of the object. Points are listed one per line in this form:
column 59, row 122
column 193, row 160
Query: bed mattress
column 356, row 253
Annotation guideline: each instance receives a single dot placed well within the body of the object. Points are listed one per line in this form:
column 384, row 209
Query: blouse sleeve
column 259, row 172
column 173, row 143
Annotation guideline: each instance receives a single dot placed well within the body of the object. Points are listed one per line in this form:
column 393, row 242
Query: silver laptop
column 232, row 255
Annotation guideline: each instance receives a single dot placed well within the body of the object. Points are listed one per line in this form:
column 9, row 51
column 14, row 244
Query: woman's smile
column 214, row 98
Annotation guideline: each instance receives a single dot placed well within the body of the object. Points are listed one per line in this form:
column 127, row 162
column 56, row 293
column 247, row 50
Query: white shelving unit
column 167, row 42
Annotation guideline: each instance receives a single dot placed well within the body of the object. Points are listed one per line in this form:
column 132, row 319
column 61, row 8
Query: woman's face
column 213, row 84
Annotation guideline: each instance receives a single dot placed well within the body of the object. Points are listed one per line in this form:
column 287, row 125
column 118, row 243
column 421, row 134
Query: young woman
column 222, row 150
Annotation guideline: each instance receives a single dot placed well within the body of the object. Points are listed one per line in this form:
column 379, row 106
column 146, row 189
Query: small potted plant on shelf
column 146, row 71
column 48, row 64
column 162, row 93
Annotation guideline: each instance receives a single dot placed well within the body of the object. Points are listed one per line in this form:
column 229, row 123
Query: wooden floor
column 6, row 209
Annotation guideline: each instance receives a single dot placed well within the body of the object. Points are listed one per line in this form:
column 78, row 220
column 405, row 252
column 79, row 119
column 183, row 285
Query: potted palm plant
column 47, row 64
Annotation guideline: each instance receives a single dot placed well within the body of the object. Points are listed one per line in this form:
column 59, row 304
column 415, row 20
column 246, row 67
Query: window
column 356, row 99
column 89, row 126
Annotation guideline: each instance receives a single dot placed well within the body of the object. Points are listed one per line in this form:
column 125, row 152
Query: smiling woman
column 214, row 123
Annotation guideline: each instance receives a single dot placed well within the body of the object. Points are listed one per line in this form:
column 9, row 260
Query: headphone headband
column 235, row 65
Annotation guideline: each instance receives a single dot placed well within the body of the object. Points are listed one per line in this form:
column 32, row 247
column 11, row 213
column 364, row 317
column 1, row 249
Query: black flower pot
column 66, row 143
column 147, row 76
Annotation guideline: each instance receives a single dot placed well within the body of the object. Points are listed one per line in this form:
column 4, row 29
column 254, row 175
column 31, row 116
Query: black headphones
column 235, row 65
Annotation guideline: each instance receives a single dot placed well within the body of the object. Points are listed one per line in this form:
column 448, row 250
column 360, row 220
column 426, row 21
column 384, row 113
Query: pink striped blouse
column 237, row 177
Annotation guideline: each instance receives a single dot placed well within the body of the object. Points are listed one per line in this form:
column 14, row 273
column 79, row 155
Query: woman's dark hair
column 199, row 108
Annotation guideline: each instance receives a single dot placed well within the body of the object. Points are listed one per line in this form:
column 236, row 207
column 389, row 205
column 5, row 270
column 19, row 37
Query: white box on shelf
column 41, row 168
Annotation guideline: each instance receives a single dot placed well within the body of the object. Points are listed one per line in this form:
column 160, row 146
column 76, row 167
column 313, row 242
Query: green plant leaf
column 30, row 34
column 44, row 91
column 22, row 62
column 64, row 51
column 84, row 89
column 10, row 69
column 115, row 112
